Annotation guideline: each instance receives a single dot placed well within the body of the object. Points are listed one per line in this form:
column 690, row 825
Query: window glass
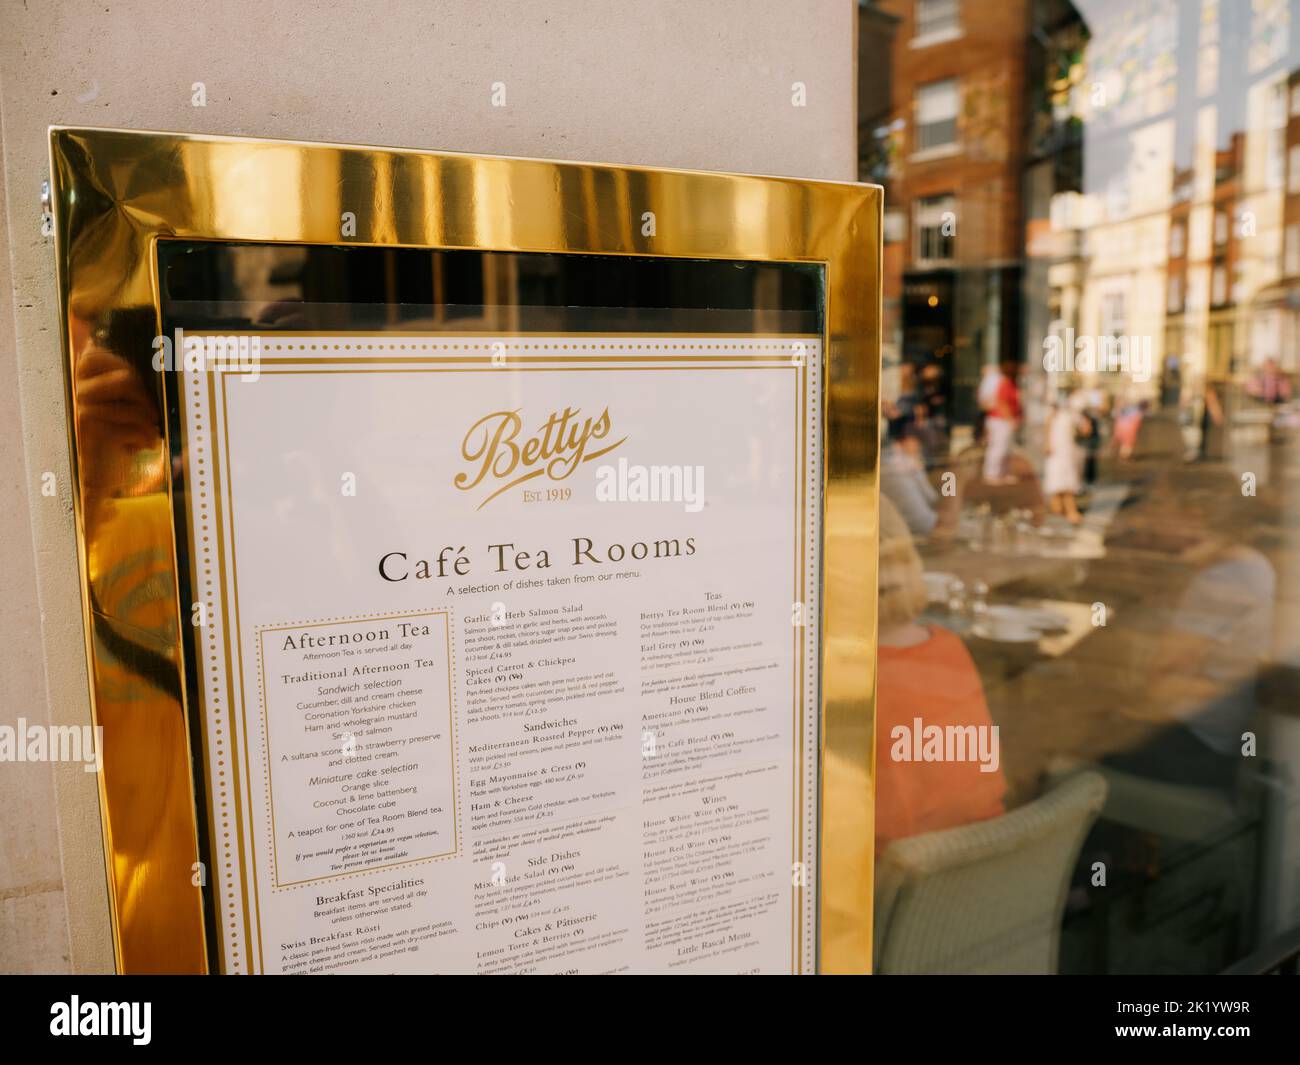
column 1089, row 654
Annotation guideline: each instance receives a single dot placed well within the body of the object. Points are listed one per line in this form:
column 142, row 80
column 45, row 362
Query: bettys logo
column 558, row 447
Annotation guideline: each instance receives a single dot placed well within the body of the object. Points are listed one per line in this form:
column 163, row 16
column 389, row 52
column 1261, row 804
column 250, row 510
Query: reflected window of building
column 936, row 20
column 1219, row 285
column 1113, row 318
column 935, row 228
column 937, row 106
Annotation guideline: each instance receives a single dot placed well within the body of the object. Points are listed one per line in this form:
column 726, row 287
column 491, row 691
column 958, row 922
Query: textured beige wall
column 688, row 83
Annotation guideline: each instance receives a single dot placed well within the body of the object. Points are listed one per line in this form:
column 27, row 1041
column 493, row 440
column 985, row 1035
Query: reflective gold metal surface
column 117, row 192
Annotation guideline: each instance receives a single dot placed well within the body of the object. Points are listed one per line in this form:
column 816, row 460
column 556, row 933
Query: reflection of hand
column 115, row 412
column 116, row 422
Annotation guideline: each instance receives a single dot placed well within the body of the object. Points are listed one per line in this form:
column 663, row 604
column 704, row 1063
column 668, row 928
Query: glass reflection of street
column 1091, row 348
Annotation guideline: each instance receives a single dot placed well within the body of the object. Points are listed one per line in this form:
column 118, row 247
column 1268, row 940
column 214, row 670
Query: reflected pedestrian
column 1000, row 426
column 1061, row 470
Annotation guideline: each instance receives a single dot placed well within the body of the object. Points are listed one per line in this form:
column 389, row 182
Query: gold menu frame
column 116, row 193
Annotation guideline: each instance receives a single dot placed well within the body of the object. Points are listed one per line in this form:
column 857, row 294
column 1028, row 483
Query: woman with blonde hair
column 925, row 674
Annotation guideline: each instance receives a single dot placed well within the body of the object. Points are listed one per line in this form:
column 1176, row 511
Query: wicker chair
column 986, row 897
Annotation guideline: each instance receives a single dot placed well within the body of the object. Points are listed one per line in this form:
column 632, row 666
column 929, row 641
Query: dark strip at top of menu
column 270, row 287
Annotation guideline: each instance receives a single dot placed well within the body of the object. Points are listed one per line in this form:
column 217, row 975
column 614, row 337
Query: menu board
column 507, row 651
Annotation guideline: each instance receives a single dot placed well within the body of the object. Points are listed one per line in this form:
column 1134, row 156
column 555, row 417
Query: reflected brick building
column 948, row 146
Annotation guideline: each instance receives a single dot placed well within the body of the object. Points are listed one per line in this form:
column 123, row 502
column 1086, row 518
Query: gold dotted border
column 266, row 748
column 783, row 346
column 202, row 521
column 812, row 664
column 811, row 346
